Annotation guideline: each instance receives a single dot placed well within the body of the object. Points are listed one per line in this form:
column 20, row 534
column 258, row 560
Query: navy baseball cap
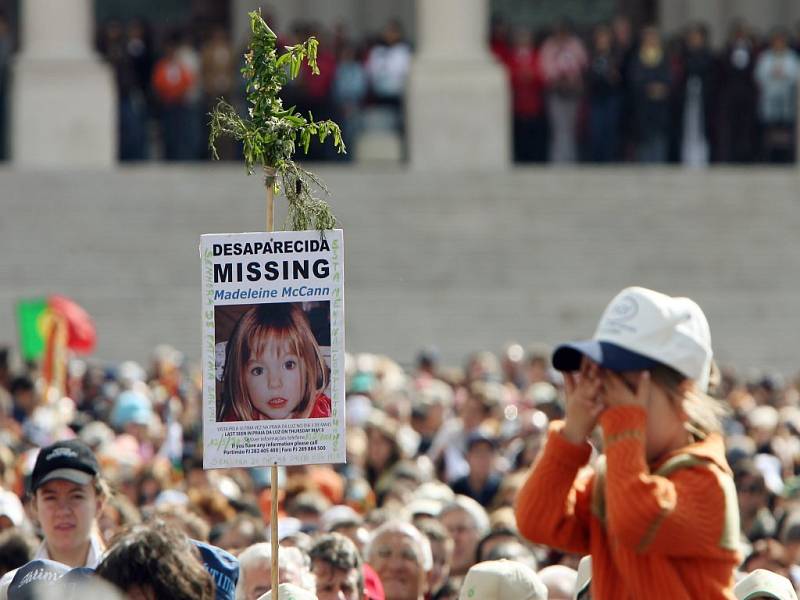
column 222, row 566
column 479, row 436
column 567, row 357
column 71, row 460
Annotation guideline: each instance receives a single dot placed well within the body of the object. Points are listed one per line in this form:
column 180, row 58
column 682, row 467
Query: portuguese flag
column 33, row 324
column 39, row 318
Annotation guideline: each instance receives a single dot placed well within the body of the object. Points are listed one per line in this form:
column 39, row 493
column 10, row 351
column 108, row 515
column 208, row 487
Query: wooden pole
column 54, row 368
column 60, row 370
column 269, row 183
column 273, row 523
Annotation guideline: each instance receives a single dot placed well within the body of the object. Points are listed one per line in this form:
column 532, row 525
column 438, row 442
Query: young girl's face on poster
column 274, row 380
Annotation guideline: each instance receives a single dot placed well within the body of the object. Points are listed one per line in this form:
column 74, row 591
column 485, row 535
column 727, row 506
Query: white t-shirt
column 93, row 559
column 387, row 68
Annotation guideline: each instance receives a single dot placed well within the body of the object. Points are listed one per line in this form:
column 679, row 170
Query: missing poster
column 273, row 348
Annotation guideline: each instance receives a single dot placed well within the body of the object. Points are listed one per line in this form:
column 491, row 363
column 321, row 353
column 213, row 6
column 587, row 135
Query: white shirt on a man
column 93, row 559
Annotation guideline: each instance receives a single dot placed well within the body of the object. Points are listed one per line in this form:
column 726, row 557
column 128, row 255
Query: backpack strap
column 729, row 540
column 599, row 490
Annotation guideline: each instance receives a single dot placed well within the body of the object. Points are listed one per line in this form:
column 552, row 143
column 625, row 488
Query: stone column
column 797, row 125
column 458, row 112
column 63, row 103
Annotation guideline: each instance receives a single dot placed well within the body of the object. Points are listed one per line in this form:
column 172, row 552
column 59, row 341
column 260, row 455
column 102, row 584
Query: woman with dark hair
column 156, row 561
column 383, row 453
column 604, row 83
column 695, row 98
column 738, row 96
column 650, row 82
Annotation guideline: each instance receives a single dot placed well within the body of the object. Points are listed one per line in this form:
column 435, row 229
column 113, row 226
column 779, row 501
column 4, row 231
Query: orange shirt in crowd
column 664, row 531
column 171, row 80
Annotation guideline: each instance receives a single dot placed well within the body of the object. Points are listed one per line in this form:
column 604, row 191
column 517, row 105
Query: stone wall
column 461, row 261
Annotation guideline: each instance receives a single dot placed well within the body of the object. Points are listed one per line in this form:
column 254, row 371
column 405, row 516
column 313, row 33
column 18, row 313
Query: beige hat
column 763, row 583
column 288, row 591
column 502, row 580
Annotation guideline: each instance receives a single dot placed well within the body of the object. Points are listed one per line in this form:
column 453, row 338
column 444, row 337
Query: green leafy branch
column 271, row 133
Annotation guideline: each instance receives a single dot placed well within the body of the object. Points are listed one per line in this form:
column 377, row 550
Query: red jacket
column 527, row 83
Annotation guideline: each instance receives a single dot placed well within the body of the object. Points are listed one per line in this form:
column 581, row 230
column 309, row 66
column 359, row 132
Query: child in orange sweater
column 658, row 510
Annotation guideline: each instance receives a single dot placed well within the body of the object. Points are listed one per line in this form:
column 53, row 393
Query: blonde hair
column 102, row 488
column 286, row 323
column 703, row 412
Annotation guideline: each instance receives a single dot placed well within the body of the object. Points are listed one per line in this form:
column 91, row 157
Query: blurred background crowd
column 602, row 93
column 442, row 448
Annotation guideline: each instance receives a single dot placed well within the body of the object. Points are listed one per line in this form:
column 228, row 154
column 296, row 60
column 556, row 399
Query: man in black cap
column 67, row 495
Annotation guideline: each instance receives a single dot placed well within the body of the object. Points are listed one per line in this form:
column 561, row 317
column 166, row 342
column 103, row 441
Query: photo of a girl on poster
column 274, row 368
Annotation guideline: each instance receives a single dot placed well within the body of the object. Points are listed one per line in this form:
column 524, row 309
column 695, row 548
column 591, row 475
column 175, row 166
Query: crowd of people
column 108, row 476
column 167, row 89
column 603, row 94
column 613, row 94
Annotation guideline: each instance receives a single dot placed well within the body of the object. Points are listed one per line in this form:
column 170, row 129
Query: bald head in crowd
column 560, row 581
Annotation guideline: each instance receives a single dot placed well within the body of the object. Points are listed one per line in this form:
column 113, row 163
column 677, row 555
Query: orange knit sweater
column 665, row 531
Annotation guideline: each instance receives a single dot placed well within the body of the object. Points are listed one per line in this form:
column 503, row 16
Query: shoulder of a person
column 377, row 51
column 5, row 581
column 323, row 399
column 693, row 469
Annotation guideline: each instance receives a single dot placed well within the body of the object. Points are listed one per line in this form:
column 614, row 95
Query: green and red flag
column 35, row 321
column 32, row 323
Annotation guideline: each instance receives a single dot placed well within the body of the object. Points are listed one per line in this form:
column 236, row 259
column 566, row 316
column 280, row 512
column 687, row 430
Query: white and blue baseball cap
column 764, row 584
column 641, row 329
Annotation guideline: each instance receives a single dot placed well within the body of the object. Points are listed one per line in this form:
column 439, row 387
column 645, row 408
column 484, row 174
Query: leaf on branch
column 270, row 133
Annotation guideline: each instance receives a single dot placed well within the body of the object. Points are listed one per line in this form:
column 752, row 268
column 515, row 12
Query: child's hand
column 618, row 391
column 583, row 401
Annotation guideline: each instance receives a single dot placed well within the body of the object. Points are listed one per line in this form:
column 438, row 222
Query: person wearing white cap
column 502, row 580
column 764, row 585
column 658, row 510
